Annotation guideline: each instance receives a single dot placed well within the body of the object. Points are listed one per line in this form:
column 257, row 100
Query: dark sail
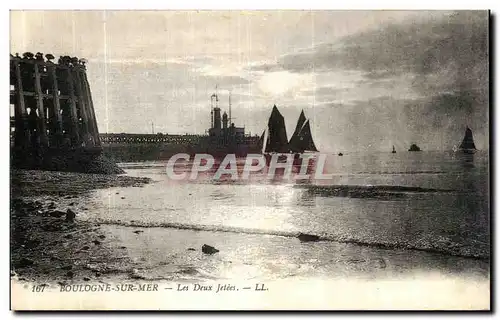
column 295, row 140
column 468, row 142
column 260, row 144
column 276, row 136
column 300, row 124
column 303, row 141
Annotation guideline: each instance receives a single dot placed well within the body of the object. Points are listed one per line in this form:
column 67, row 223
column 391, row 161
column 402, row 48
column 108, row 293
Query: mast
column 230, row 121
column 216, row 96
column 212, row 110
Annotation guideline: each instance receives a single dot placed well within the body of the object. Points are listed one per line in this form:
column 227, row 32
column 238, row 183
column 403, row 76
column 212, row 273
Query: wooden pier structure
column 52, row 113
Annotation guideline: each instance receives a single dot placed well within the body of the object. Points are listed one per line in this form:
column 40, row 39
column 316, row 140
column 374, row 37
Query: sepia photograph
column 250, row 160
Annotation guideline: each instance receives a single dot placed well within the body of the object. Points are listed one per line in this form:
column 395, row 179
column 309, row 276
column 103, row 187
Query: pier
column 159, row 146
column 52, row 112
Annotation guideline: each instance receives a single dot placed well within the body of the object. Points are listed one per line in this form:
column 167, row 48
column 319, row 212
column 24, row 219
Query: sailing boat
column 414, row 148
column 302, row 140
column 276, row 136
column 276, row 141
column 393, row 150
column 467, row 145
column 295, row 140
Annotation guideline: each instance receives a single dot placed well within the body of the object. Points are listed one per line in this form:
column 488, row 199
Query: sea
column 379, row 215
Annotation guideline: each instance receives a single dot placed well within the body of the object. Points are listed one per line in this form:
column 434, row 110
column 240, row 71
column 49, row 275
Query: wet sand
column 48, row 240
column 49, row 247
column 44, row 246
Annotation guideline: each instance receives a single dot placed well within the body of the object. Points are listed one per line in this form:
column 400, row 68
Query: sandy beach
column 45, row 245
column 51, row 246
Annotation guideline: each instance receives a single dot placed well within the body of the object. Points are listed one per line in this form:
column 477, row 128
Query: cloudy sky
column 367, row 80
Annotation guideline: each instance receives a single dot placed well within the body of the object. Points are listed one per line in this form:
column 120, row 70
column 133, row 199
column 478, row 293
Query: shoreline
column 55, row 250
column 48, row 241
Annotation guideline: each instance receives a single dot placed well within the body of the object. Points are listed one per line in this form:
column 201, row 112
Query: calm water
column 253, row 223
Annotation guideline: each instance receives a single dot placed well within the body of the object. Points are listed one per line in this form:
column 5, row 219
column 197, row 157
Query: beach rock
column 70, row 274
column 51, row 205
column 208, row 249
column 96, row 242
column 137, row 276
column 68, row 236
column 70, row 215
column 86, row 279
column 102, row 236
column 138, row 231
column 71, row 204
column 56, row 213
column 191, row 249
column 85, row 248
column 67, row 267
column 123, row 197
column 134, row 274
column 304, row 237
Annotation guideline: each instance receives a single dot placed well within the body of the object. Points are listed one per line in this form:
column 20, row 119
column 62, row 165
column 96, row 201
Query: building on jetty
column 222, row 138
column 52, row 113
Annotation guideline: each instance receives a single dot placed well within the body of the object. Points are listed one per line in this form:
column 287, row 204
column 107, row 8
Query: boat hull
column 283, row 157
column 468, row 151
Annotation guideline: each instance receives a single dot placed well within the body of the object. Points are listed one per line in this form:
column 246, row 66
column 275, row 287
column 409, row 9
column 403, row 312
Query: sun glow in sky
column 365, row 79
column 276, row 84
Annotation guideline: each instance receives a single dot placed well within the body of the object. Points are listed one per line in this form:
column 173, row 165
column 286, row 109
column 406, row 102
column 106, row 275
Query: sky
column 367, row 80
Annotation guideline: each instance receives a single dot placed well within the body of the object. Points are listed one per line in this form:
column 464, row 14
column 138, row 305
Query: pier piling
column 53, row 110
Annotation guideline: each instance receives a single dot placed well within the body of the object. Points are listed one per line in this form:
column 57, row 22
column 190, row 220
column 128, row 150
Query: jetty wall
column 124, row 147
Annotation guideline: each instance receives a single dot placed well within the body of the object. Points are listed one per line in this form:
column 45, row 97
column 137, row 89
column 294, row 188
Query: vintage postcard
column 249, row 160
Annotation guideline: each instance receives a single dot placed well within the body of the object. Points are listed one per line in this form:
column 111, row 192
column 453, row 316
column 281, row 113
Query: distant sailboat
column 467, row 145
column 393, row 150
column 414, row 147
